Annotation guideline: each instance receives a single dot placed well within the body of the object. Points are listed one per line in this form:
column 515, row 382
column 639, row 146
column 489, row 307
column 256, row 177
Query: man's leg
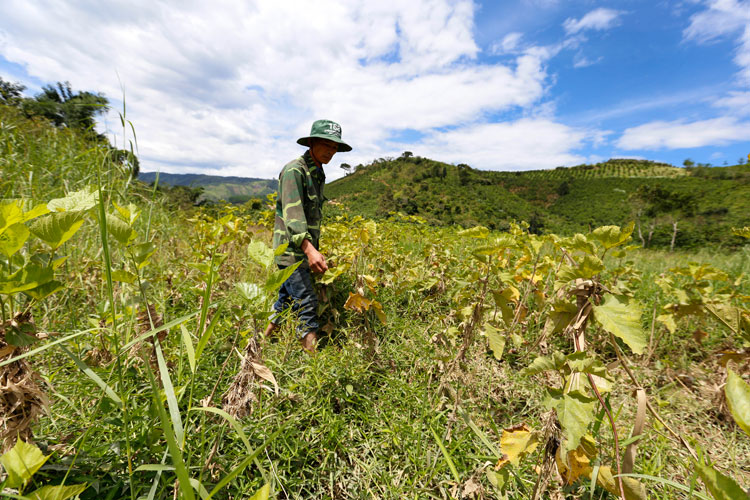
column 278, row 307
column 305, row 304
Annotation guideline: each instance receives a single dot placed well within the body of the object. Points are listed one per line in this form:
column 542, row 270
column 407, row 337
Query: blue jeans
column 298, row 292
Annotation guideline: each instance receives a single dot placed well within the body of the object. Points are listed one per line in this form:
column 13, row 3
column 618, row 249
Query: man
column 298, row 216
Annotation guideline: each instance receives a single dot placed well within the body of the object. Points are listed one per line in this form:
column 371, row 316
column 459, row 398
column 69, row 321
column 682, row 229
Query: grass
column 393, row 421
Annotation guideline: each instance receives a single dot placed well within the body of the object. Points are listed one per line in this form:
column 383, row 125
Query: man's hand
column 314, row 258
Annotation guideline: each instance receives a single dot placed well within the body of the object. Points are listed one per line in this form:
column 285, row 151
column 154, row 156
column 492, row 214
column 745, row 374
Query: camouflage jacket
column 299, row 208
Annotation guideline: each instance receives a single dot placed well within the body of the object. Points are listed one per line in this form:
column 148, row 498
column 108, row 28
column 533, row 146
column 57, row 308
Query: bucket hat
column 325, row 129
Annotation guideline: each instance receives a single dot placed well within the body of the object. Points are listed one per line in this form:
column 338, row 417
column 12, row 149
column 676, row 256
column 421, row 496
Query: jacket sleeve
column 293, row 212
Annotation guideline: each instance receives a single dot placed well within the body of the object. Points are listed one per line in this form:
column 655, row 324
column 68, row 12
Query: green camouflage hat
column 325, row 129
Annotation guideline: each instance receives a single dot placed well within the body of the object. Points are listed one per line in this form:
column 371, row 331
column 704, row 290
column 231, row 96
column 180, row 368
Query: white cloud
column 737, row 102
column 581, row 61
column 525, row 144
column 508, row 45
column 227, row 87
column 679, row 134
column 597, row 19
column 724, row 18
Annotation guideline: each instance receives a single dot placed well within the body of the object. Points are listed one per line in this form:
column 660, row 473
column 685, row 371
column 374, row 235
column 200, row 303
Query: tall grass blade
column 93, row 376
column 174, row 409
column 47, row 346
column 241, row 466
column 207, row 334
column 447, row 456
column 188, row 347
column 154, row 331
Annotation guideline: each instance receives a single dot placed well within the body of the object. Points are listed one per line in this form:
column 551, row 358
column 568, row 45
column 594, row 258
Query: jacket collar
column 313, row 167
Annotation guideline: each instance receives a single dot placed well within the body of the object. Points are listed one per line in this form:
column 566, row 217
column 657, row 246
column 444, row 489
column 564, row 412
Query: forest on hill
column 694, row 206
column 214, row 188
column 453, row 363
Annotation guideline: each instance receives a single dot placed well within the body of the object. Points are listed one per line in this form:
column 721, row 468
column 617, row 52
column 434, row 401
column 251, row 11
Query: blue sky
column 227, row 88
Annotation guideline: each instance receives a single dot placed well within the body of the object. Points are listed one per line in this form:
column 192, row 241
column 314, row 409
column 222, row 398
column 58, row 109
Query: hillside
column 216, row 187
column 133, row 363
column 704, row 202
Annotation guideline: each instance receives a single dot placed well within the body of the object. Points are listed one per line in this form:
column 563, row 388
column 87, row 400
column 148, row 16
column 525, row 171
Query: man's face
column 323, row 150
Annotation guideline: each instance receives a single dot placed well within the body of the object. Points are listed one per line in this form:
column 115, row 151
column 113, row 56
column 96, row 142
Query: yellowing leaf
column 622, row 318
column 57, row 228
column 263, row 493
column 496, row 340
column 612, row 236
column 357, row 302
column 83, row 199
column 738, row 400
column 13, row 238
column 578, row 461
column 634, row 490
column 57, row 492
column 21, row 462
column 516, row 443
column 668, row 321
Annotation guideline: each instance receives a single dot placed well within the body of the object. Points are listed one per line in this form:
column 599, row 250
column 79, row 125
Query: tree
column 407, row 154
column 347, row 168
column 663, row 205
column 688, row 162
column 66, row 108
column 10, row 93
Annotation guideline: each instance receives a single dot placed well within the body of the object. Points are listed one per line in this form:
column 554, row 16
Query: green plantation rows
column 457, row 363
column 610, row 168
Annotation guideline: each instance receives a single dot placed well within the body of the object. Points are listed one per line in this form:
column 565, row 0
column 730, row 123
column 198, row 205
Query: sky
column 226, row 87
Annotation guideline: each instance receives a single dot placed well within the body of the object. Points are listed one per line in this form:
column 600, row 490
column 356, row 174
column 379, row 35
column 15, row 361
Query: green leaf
column 10, row 214
column 277, row 278
column 280, row 249
column 589, row 267
column 580, row 243
column 43, row 291
column 13, row 238
column 612, row 236
column 21, row 462
column 634, row 490
column 496, row 340
column 129, row 214
column 720, row 486
column 738, row 400
column 57, row 228
column 77, row 201
column 479, row 232
column 575, row 411
column 35, row 212
column 263, row 493
column 541, row 364
column 583, row 363
column 30, row 276
column 249, row 291
column 260, row 253
column 57, row 492
column 124, row 276
column 120, row 230
column 142, row 252
column 21, row 335
column 622, row 318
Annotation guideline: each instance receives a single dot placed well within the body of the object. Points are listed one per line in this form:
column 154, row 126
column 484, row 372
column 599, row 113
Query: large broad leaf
column 29, row 277
column 556, row 362
column 738, row 400
column 13, row 238
column 580, row 243
column 21, row 462
column 516, row 443
column 57, row 228
column 720, row 486
column 57, row 492
column 142, row 252
column 575, row 411
column 587, row 268
column 260, row 253
column 78, row 201
column 45, row 290
column 249, row 291
column 129, row 214
column 480, row 232
column 120, row 230
column 622, row 318
column 496, row 340
column 274, row 282
column 612, row 236
column 634, row 490
column 10, row 214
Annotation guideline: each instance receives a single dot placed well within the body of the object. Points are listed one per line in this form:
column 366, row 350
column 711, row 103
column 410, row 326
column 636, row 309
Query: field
column 457, row 363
